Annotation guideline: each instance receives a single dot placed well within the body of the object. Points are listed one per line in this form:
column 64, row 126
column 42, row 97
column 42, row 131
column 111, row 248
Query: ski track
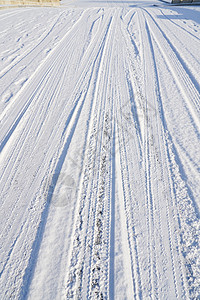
column 99, row 138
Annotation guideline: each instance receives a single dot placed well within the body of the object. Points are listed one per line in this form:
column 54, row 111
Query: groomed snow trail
column 99, row 152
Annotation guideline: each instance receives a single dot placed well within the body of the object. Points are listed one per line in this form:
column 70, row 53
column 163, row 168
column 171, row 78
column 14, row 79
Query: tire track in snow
column 188, row 218
column 71, row 126
column 80, row 83
column 84, row 69
column 100, row 259
column 95, row 219
column 189, row 87
column 14, row 288
column 85, row 215
column 120, row 158
column 125, row 199
column 100, row 253
column 173, row 222
column 128, row 25
column 29, row 126
column 177, row 25
column 187, row 154
column 149, row 147
column 40, row 75
column 82, row 76
column 87, row 89
column 153, row 160
column 186, row 138
column 28, row 63
column 112, row 221
column 63, row 112
column 129, row 243
column 154, row 210
column 180, row 39
column 126, row 248
column 134, row 82
column 188, row 230
column 76, row 103
column 32, row 49
column 28, row 52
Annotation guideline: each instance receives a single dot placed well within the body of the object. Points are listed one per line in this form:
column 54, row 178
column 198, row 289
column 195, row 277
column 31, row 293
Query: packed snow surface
column 99, row 142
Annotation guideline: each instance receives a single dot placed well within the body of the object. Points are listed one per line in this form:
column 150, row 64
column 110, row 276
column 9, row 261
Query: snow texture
column 99, row 151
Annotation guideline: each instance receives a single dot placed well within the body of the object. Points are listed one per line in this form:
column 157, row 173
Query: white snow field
column 100, row 156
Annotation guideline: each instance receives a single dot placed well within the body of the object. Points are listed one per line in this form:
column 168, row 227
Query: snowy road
column 100, row 160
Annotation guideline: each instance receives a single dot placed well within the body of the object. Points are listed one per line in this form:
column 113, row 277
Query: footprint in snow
column 21, row 81
column 11, row 58
column 46, row 51
column 7, row 96
column 18, row 39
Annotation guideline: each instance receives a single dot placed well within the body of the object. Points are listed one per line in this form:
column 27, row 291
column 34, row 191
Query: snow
column 99, row 142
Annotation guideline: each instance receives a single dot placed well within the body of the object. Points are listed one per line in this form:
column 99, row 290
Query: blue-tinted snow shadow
column 183, row 13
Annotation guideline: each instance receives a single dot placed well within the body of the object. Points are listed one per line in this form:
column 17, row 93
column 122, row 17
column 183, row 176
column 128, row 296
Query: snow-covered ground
column 100, row 160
